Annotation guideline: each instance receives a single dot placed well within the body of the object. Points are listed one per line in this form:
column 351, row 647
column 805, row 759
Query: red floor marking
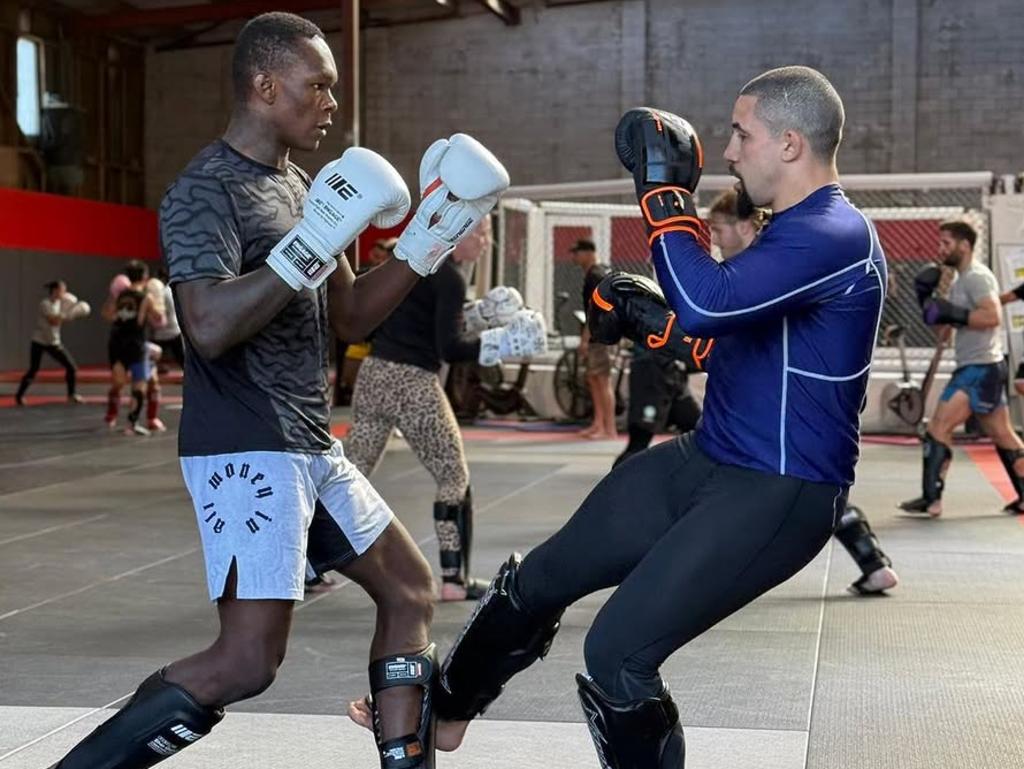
column 7, row 401
column 987, row 460
column 86, row 375
column 473, row 434
column 891, row 440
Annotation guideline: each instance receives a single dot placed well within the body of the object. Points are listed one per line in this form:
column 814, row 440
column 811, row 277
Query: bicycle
column 569, row 381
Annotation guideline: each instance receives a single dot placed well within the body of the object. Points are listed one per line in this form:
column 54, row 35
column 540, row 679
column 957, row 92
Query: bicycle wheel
column 571, row 392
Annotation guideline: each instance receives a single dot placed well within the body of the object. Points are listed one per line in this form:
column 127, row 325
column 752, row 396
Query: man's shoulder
column 980, row 277
column 216, row 165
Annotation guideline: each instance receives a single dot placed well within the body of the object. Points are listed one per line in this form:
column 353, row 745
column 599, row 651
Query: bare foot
column 587, row 432
column 449, row 733
column 471, row 590
column 602, row 436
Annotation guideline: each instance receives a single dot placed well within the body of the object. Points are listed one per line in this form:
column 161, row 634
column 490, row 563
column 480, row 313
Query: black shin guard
column 159, row 720
column 855, row 534
column 935, row 455
column 453, row 525
column 465, row 524
column 137, row 400
column 1008, row 457
column 411, row 751
column 641, row 734
column 501, row 638
column 449, row 541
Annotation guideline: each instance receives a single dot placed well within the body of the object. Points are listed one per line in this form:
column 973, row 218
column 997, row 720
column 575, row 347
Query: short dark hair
column 583, row 244
column 730, row 204
column 803, row 100
column 960, row 230
column 265, row 43
column 136, row 270
column 53, row 284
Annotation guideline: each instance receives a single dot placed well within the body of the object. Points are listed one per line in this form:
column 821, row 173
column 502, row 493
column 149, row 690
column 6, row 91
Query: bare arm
column 148, row 313
column 109, row 309
column 357, row 305
column 218, row 314
column 1012, row 295
column 985, row 315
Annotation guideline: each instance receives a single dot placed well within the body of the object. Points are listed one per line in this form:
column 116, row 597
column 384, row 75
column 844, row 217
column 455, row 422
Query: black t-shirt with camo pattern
column 219, row 219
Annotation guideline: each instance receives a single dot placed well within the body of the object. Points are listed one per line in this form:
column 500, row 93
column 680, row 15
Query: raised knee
column 623, row 677
column 410, row 598
column 602, row 661
column 245, row 674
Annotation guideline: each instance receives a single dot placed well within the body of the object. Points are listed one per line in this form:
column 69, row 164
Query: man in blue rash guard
column 695, row 528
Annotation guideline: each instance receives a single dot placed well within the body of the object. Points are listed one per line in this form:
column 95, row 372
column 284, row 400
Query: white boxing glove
column 495, row 309
column 155, row 292
column 347, row 195
column 72, row 308
column 460, row 181
column 525, row 335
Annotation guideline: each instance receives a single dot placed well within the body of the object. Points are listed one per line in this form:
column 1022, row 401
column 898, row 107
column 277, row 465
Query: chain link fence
column 540, row 233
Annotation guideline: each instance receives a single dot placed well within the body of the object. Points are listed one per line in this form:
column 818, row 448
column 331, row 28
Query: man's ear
column 265, row 87
column 793, row 146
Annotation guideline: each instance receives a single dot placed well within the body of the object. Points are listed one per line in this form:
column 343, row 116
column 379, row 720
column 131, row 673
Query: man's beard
column 744, row 205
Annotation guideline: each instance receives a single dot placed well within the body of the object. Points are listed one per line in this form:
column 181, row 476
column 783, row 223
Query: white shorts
column 262, row 508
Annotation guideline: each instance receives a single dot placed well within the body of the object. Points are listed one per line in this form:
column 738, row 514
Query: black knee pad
column 635, row 734
column 855, row 534
column 501, row 638
column 159, row 720
column 412, row 751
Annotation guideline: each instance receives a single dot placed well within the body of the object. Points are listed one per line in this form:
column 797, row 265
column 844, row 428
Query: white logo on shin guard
column 185, row 733
column 597, row 735
column 162, row 746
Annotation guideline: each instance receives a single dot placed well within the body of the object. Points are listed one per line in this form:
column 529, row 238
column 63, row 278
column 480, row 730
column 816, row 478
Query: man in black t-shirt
column 129, row 309
column 251, row 248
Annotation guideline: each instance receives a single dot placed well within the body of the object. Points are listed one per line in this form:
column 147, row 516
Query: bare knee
column 245, row 670
column 410, row 598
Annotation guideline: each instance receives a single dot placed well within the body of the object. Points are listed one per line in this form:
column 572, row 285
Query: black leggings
column 688, row 541
column 62, row 356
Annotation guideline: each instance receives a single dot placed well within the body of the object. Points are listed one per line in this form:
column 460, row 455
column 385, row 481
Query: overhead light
column 445, row 3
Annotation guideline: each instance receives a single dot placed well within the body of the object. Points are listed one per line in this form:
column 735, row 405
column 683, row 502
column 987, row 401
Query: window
column 29, row 86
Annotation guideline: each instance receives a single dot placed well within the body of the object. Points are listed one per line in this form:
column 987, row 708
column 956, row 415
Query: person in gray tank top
column 972, row 315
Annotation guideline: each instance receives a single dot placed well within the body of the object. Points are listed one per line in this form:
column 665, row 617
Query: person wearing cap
column 596, row 357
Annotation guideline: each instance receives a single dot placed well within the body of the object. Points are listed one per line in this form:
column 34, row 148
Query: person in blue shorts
column 972, row 314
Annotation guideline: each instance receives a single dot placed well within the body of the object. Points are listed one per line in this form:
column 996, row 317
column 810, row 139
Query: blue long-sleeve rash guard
column 795, row 318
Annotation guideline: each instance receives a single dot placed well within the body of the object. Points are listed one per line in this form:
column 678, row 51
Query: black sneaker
column 919, row 506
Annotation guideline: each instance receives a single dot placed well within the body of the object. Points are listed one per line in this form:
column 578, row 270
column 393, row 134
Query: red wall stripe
column 35, row 221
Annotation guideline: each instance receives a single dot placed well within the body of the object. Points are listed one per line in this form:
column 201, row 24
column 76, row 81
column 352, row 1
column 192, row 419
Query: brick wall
column 929, row 85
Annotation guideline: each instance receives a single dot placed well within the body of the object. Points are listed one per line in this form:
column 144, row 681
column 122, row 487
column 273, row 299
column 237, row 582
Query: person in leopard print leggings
column 398, row 386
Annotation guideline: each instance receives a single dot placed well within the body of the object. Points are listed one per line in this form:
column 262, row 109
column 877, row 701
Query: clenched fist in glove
column 632, row 306
column 926, row 283
column 934, row 309
column 347, row 195
column 664, row 154
column 525, row 335
column 495, row 309
column 460, row 181
column 72, row 308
